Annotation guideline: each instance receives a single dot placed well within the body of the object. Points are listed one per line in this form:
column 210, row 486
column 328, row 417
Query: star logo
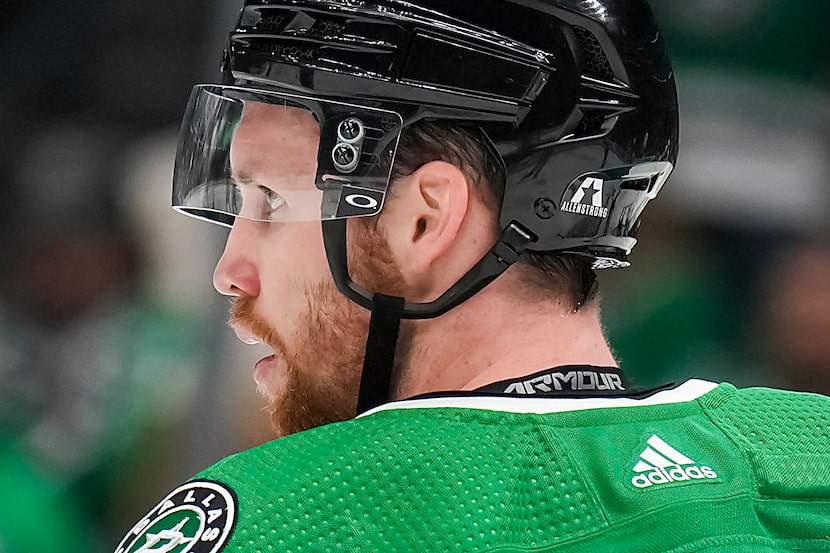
column 173, row 538
column 586, row 197
column 197, row 517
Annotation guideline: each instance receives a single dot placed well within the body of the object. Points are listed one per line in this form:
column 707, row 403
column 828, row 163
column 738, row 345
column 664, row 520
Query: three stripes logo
column 660, row 464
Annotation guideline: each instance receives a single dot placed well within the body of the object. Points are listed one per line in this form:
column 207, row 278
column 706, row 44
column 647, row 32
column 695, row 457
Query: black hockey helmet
column 576, row 97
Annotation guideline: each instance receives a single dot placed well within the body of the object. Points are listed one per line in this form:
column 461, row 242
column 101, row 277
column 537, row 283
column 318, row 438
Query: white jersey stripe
column 688, row 391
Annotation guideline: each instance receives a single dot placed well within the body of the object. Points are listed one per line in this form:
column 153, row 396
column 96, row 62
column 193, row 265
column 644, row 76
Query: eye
column 275, row 201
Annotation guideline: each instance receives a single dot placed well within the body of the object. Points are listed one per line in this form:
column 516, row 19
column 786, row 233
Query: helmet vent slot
column 328, row 27
column 595, row 62
column 273, row 23
column 286, row 51
column 297, row 22
column 641, row 185
column 592, row 124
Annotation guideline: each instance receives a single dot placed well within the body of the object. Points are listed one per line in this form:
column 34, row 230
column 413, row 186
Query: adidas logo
column 660, row 463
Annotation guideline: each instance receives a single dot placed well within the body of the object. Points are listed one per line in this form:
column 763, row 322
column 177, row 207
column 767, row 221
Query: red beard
column 318, row 368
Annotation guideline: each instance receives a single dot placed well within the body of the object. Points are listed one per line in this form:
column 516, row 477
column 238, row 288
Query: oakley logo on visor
column 357, row 202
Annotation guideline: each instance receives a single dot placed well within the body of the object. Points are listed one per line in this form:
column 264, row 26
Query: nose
column 236, row 272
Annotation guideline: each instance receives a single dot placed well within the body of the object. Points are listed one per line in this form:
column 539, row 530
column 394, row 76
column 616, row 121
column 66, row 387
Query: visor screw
column 351, row 130
column 344, row 157
column 544, row 208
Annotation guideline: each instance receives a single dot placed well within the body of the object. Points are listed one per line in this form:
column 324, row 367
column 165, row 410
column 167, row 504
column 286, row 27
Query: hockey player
column 419, row 193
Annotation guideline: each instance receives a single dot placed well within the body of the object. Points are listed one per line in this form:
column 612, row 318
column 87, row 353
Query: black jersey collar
column 567, row 381
column 571, row 381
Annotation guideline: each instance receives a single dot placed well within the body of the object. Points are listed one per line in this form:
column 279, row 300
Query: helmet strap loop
column 379, row 359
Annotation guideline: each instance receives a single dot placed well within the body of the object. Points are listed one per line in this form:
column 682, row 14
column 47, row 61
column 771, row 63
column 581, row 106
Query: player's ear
column 426, row 214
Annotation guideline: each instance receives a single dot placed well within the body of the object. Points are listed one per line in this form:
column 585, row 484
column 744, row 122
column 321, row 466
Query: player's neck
column 464, row 350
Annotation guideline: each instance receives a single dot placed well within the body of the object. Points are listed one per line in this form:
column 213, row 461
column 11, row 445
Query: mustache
column 244, row 316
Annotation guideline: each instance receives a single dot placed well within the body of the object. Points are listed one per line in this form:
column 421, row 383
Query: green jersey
column 700, row 467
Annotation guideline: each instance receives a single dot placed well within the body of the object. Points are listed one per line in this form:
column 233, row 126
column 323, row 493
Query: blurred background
column 118, row 376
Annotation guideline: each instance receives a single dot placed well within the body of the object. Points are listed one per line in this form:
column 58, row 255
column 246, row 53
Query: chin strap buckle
column 512, row 243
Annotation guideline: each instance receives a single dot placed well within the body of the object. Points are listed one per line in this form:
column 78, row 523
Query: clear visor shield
column 269, row 156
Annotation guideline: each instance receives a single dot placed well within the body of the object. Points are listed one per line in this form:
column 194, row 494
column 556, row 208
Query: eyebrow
column 246, row 178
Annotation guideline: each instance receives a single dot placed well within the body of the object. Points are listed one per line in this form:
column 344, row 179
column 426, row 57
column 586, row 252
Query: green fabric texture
column 472, row 480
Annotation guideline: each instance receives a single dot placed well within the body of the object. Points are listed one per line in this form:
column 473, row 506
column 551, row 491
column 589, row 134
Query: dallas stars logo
column 168, row 539
column 197, row 517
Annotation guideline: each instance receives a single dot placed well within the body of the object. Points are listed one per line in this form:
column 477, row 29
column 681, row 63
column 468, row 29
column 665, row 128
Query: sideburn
column 372, row 265
column 371, row 261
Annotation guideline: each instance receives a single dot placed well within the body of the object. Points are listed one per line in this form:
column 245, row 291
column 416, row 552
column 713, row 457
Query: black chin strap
column 380, row 351
column 387, row 311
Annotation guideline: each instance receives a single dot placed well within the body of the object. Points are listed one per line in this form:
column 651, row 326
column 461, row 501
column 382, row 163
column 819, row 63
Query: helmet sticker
column 584, row 196
column 197, row 517
column 359, row 202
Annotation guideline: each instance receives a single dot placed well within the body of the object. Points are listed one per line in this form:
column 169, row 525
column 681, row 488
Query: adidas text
column 672, row 474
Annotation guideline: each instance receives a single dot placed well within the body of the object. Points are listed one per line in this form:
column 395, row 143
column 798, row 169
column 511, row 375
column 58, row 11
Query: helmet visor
column 272, row 156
